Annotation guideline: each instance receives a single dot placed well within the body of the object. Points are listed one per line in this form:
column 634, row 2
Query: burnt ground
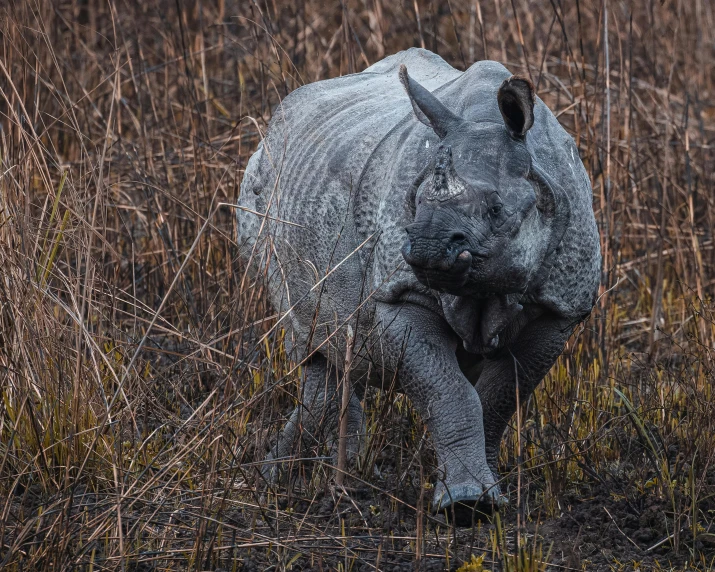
column 614, row 517
column 598, row 527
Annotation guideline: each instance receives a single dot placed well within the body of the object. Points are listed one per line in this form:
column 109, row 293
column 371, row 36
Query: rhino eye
column 495, row 210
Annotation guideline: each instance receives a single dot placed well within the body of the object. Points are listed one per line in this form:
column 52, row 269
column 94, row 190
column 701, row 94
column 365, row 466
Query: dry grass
column 134, row 396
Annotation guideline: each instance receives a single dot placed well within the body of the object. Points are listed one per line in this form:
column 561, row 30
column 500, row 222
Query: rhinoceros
column 445, row 218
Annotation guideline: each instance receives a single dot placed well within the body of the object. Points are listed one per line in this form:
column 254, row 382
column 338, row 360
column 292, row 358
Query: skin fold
column 445, row 217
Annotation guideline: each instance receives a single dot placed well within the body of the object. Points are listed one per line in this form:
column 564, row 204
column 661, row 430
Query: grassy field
column 142, row 377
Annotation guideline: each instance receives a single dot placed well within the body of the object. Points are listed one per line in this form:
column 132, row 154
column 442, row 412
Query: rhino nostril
column 457, row 237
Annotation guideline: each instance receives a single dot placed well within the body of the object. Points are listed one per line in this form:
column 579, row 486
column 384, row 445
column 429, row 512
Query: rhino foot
column 467, row 503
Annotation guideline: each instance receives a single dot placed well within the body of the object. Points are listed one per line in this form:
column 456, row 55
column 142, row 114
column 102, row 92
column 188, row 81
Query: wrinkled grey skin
column 460, row 244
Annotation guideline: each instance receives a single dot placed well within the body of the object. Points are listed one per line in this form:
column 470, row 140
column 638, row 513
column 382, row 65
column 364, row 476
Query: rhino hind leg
column 313, row 424
column 357, row 426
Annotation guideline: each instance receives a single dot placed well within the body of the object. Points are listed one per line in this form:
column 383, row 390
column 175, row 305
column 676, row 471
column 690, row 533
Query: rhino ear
column 428, row 109
column 516, row 103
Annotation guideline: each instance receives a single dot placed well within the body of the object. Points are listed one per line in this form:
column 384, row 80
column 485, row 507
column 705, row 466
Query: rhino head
column 485, row 216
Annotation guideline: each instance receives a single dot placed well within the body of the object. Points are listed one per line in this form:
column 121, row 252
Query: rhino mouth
column 445, row 273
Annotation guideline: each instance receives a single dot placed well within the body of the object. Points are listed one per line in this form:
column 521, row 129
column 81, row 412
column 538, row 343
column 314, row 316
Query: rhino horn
column 443, row 167
column 428, row 109
column 516, row 103
column 445, row 182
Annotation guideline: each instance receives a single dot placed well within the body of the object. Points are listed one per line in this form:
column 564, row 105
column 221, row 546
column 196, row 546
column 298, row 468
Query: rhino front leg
column 314, row 422
column 421, row 347
column 528, row 359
